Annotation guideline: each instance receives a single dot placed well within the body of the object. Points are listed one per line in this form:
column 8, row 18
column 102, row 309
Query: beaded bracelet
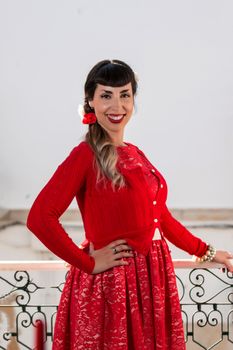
column 209, row 255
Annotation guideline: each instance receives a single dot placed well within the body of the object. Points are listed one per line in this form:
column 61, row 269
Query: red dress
column 132, row 307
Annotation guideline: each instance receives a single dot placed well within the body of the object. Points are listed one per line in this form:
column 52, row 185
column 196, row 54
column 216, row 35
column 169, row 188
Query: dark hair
column 109, row 73
column 113, row 73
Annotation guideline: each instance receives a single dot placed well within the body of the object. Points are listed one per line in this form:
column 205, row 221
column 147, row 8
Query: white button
column 161, row 185
column 155, row 220
column 153, row 170
column 154, row 202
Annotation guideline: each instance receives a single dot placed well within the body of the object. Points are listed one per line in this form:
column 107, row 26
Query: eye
column 125, row 95
column 106, row 96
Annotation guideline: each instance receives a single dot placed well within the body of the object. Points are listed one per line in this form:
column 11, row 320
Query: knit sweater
column 127, row 213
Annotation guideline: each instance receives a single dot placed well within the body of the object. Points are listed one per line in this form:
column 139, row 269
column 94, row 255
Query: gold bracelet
column 209, row 255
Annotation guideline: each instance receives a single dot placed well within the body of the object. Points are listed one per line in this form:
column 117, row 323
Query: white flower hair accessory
column 136, row 77
column 80, row 111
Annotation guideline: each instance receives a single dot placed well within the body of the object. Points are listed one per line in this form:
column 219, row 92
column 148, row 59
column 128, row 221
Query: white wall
column 183, row 54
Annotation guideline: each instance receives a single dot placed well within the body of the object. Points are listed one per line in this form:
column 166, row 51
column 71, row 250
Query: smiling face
column 113, row 108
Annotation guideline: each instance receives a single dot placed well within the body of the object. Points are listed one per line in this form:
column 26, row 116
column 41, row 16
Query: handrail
column 59, row 265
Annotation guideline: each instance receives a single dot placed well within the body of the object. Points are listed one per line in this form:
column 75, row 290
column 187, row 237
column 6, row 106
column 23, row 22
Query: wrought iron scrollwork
column 206, row 305
column 207, row 312
column 18, row 314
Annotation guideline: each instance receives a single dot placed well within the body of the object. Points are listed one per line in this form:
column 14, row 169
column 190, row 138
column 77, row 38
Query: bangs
column 114, row 75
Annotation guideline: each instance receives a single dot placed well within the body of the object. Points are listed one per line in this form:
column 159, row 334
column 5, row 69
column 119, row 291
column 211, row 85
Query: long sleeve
column 177, row 234
column 43, row 219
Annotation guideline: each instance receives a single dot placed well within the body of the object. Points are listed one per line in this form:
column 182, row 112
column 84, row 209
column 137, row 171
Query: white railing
column 13, row 265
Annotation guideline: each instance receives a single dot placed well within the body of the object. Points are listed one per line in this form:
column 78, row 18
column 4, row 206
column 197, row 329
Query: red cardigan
column 128, row 213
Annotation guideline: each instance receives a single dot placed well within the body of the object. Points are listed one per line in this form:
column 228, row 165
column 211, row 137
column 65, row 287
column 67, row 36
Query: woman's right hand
column 110, row 255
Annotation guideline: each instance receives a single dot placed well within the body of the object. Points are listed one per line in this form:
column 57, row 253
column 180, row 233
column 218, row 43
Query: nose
column 117, row 104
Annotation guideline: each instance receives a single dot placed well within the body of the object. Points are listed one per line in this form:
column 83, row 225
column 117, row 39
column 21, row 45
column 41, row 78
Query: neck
column 117, row 139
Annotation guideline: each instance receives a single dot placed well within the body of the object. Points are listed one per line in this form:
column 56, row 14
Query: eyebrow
column 110, row 92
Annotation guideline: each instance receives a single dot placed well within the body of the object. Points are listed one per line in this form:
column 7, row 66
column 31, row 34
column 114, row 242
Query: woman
column 121, row 291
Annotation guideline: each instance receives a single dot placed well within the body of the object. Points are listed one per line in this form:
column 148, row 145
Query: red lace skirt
column 134, row 307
